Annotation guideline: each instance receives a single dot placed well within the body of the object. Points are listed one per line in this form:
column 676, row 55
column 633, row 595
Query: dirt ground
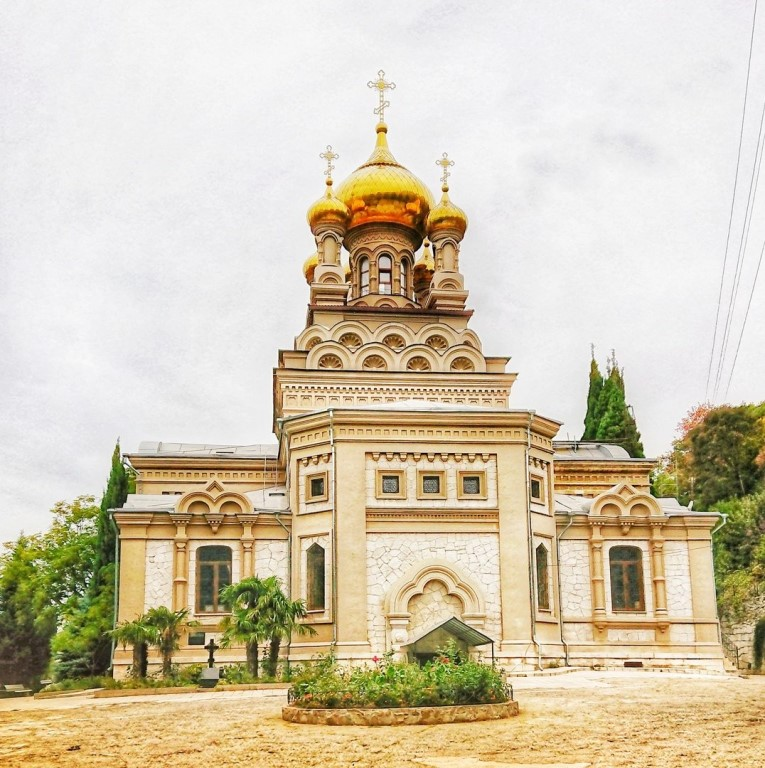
column 601, row 719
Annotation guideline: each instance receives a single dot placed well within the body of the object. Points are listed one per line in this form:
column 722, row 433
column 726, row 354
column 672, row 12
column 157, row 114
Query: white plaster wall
column 647, row 587
column 576, row 585
column 236, row 564
column 410, row 466
column 678, row 574
column 271, row 558
column 159, row 574
column 391, row 556
column 577, row 633
column 682, row 633
column 631, row 636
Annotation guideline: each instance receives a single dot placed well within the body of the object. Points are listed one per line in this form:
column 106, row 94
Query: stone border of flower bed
column 464, row 713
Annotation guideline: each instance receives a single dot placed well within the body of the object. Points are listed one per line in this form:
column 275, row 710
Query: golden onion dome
column 382, row 190
column 309, row 266
column 328, row 210
column 348, row 273
column 447, row 216
column 424, row 266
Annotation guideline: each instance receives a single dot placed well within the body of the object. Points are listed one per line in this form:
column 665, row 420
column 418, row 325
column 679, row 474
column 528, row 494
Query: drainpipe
column 532, row 600
column 560, row 604
column 334, row 524
column 116, row 584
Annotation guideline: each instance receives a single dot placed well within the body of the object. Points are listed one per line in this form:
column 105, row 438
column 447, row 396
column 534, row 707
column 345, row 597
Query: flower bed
column 468, row 713
column 449, row 683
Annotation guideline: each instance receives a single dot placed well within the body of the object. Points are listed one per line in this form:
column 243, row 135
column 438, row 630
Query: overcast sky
column 158, row 159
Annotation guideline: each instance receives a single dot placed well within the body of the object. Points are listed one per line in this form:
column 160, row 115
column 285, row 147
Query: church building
column 404, row 500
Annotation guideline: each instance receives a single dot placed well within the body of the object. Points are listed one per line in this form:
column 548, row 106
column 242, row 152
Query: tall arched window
column 213, row 574
column 404, row 277
column 385, row 272
column 543, row 578
column 363, row 276
column 315, row 591
column 626, row 567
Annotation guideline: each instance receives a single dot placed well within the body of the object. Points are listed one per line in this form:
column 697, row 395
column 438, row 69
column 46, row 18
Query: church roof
column 256, row 450
column 573, row 450
column 568, row 504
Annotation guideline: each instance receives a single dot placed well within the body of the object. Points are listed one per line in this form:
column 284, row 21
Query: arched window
column 315, row 591
column 213, row 574
column 626, row 567
column 404, row 280
column 363, row 276
column 543, row 578
column 385, row 272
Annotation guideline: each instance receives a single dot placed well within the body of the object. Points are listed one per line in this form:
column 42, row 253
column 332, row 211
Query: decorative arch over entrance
column 397, row 600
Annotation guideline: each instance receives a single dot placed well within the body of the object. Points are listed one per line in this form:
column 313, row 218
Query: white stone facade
column 575, row 582
column 391, row 557
column 677, row 570
column 272, row 559
column 435, row 605
column 159, row 574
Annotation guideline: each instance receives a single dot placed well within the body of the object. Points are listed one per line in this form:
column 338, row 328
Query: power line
column 746, row 316
column 743, row 243
column 733, row 201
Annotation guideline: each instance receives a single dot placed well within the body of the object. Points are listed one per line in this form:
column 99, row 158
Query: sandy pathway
column 606, row 719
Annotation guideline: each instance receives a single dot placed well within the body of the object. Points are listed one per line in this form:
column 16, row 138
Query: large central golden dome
column 382, row 190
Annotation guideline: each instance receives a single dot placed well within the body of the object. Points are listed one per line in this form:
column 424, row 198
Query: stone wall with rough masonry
column 159, row 574
column 392, row 556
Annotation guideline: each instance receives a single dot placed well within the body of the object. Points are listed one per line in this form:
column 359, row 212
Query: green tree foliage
column 718, row 462
column 43, row 578
column 83, row 645
column 609, row 419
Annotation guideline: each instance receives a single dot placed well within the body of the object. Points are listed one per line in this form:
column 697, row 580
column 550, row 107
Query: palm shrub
column 167, row 627
column 138, row 634
column 245, row 623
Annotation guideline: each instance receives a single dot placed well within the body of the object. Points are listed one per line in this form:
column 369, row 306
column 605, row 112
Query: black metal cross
column 211, row 647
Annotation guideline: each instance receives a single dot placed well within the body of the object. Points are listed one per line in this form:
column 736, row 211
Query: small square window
column 391, row 484
column 535, row 489
column 196, row 638
column 471, row 485
column 316, row 487
column 431, row 484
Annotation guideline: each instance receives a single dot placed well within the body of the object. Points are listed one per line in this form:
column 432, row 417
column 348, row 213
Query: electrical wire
column 733, row 203
column 743, row 243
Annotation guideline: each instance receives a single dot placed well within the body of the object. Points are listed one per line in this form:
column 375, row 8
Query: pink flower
column 375, row 659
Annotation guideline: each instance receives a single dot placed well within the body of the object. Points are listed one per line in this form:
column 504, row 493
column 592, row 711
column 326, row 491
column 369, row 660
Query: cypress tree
column 609, row 418
column 593, row 397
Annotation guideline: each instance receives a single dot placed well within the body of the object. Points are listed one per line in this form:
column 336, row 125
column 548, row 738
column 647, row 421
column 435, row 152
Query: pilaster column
column 658, row 575
column 598, row 580
column 180, row 561
column 247, row 549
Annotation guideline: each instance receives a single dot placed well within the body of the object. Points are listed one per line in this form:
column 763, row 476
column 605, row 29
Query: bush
column 447, row 680
column 83, row 684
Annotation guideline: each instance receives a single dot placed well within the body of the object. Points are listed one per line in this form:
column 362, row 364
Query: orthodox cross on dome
column 445, row 164
column 329, row 156
column 382, row 85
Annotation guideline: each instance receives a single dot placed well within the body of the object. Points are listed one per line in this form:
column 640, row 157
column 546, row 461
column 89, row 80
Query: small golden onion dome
column 328, row 210
column 424, row 266
column 447, row 216
column 348, row 273
column 309, row 266
column 382, row 190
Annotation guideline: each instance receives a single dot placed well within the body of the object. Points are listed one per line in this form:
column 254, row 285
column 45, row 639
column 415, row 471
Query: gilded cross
column 382, row 85
column 329, row 156
column 445, row 163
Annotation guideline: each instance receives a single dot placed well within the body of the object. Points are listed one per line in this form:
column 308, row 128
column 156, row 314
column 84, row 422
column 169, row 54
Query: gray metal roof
column 574, row 450
column 254, row 451
column 457, row 628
